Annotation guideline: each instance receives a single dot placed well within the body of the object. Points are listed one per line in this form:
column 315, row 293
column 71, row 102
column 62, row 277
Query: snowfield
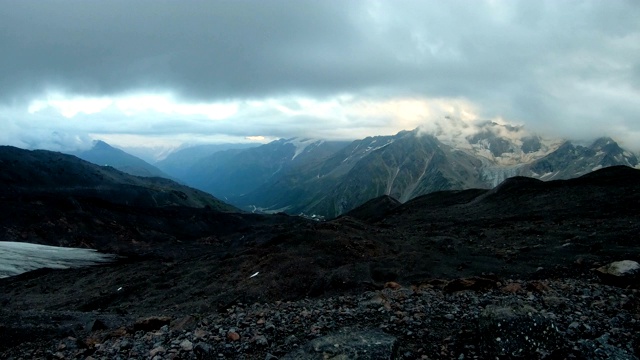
column 17, row 258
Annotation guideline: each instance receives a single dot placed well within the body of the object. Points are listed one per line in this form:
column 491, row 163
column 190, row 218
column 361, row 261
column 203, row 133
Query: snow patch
column 456, row 133
column 266, row 210
column 369, row 148
column 17, row 257
column 366, row 150
column 302, row 144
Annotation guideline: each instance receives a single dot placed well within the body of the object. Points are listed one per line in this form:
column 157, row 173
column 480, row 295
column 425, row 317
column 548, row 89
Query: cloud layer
column 283, row 68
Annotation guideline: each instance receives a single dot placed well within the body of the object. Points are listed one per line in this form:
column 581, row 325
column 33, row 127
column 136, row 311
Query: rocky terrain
column 506, row 273
column 583, row 318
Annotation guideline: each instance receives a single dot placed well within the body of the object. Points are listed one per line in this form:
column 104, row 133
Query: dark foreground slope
column 524, row 243
column 43, row 173
column 57, row 199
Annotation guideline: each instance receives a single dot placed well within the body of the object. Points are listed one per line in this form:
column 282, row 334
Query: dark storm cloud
column 551, row 64
column 202, row 49
column 234, row 49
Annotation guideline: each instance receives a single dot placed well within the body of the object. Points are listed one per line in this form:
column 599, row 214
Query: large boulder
column 620, row 273
column 517, row 331
column 348, row 344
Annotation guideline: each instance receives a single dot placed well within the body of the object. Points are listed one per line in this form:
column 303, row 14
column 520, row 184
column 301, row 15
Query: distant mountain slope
column 570, row 160
column 233, row 173
column 401, row 166
column 104, row 154
column 323, row 179
column 179, row 163
column 56, row 174
column 410, row 164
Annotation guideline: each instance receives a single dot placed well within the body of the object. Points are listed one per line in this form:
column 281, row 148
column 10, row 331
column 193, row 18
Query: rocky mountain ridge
column 323, row 179
column 412, row 163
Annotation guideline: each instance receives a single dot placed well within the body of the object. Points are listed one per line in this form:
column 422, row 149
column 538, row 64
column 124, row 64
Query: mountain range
column 324, row 179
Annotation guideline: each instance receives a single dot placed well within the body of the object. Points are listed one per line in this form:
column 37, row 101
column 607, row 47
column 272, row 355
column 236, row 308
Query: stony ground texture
column 592, row 321
column 189, row 273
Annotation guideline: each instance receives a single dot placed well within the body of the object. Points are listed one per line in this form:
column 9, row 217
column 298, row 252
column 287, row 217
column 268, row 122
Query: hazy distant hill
column 104, row 154
column 180, row 162
column 233, row 173
column 53, row 174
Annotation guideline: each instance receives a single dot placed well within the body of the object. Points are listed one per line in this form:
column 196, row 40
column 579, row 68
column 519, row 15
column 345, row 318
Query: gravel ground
column 593, row 321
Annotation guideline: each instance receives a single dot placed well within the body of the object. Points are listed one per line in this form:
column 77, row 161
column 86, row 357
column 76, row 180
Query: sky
column 163, row 73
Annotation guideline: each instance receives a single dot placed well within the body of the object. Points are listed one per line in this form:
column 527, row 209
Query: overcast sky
column 153, row 73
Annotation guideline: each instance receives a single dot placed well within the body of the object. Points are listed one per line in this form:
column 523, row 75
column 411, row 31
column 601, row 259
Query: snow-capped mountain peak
column 499, row 144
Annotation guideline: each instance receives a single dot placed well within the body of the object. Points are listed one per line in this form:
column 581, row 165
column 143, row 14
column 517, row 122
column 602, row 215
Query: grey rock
column 125, row 344
column 574, row 325
column 348, row 344
column 186, row 345
column 261, row 340
column 157, row 350
column 620, row 273
column 204, row 351
column 621, row 268
column 290, row 340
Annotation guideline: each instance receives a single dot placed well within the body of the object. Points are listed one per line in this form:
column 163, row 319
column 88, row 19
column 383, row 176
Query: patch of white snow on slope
column 17, row 257
column 302, row 144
